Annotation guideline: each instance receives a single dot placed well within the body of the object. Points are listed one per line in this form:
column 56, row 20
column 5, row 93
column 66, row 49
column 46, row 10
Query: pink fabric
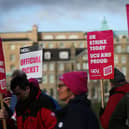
column 35, row 82
column 75, row 81
column 7, row 94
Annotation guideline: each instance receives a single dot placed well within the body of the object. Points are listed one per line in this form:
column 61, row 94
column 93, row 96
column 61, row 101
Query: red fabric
column 35, row 82
column 75, row 81
column 45, row 119
column 112, row 102
column 7, row 94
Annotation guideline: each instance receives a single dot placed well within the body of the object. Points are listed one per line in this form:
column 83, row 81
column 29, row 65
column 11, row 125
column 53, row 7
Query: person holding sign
column 6, row 113
column 120, row 116
column 119, row 87
column 77, row 114
column 33, row 109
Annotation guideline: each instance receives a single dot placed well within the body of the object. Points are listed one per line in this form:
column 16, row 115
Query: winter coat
column 116, row 93
column 77, row 115
column 120, row 116
column 14, row 101
column 35, row 112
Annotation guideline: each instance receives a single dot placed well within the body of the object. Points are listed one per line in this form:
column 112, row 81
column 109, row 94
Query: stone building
column 76, row 42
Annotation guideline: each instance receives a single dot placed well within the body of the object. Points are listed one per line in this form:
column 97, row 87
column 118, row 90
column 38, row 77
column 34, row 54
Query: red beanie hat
column 34, row 82
column 75, row 81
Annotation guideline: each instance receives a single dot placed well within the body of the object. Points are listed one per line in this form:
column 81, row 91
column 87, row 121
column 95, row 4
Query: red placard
column 127, row 12
column 100, row 54
column 2, row 71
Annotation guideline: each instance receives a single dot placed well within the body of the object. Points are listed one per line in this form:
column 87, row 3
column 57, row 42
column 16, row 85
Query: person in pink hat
column 77, row 114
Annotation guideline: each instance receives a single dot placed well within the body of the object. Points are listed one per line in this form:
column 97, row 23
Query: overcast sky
column 62, row 15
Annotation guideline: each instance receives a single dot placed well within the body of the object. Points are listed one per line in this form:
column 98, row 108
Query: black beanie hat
column 118, row 77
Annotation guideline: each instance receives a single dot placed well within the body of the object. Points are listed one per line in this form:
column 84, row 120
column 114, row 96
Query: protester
column 77, row 114
column 35, row 82
column 33, row 109
column 119, row 87
column 120, row 116
column 16, row 73
column 6, row 113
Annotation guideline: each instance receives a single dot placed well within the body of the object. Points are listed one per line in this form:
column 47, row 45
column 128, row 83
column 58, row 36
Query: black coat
column 77, row 115
column 120, row 116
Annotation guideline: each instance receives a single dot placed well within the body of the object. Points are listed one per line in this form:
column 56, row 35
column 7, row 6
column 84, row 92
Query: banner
column 3, row 88
column 31, row 62
column 100, row 54
column 127, row 12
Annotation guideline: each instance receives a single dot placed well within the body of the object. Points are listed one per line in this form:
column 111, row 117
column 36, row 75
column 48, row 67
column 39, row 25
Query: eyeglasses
column 61, row 85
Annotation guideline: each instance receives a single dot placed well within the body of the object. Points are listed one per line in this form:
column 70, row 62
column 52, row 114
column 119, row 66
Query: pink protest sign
column 2, row 71
column 100, row 54
column 127, row 12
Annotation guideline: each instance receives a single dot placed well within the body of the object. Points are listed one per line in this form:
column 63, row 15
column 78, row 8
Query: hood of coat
column 21, row 106
column 123, row 88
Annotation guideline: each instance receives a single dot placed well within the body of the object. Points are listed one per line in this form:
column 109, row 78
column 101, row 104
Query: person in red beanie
column 119, row 87
column 77, row 114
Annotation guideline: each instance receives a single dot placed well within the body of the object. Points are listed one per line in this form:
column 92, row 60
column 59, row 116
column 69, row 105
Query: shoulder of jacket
column 46, row 102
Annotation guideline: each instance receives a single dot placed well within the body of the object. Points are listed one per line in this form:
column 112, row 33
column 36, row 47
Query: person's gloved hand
column 101, row 111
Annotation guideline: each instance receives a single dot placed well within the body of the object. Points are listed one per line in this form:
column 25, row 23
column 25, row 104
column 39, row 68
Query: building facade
column 76, row 42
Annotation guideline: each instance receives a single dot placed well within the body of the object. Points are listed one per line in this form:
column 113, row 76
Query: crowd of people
column 26, row 106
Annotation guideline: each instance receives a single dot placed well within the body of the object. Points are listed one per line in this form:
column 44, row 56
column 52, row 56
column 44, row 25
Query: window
column 127, row 48
column 75, row 44
column 50, row 45
column 123, row 59
column 51, row 78
column 123, row 70
column 85, row 57
column 118, row 49
column 44, row 67
column 78, row 66
column 12, row 47
column 12, row 57
column 51, row 67
column 61, row 45
column 85, row 65
column 115, row 59
column 41, row 45
column 48, row 37
column 61, row 37
column 44, row 79
column 81, row 45
column 123, row 49
column 61, row 67
column 73, row 37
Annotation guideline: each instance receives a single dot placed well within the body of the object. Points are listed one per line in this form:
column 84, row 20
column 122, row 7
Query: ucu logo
column 60, row 124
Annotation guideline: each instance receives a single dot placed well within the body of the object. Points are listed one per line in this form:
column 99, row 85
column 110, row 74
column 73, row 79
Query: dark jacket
column 35, row 112
column 116, row 93
column 77, row 115
column 120, row 116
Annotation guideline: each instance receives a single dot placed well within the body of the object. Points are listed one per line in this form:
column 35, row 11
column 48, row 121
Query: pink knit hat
column 34, row 82
column 75, row 81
